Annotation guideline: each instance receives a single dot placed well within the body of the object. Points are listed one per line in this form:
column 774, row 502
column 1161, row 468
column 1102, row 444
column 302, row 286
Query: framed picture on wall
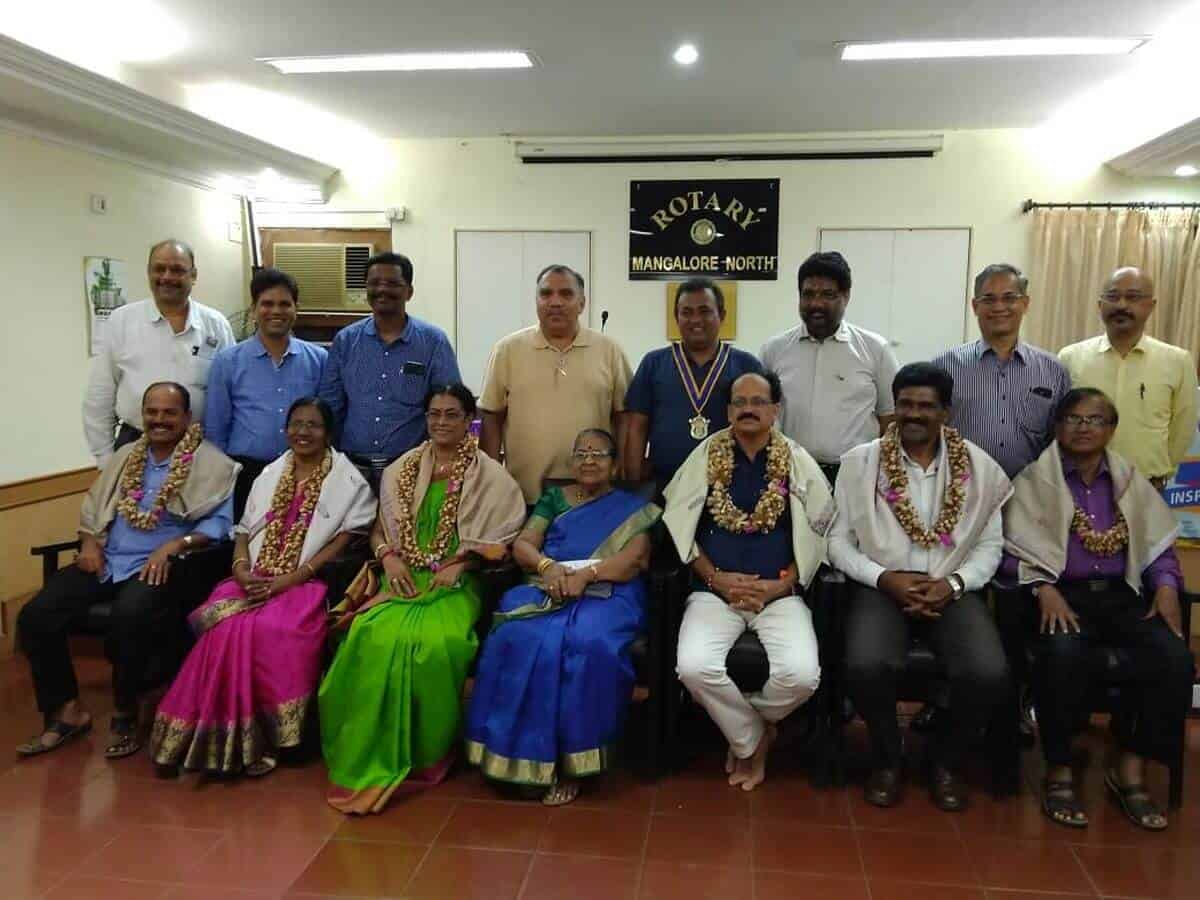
column 104, row 283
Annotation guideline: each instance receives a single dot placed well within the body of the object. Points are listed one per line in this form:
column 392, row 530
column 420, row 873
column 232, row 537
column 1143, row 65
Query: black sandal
column 1061, row 804
column 36, row 746
column 1135, row 802
column 124, row 728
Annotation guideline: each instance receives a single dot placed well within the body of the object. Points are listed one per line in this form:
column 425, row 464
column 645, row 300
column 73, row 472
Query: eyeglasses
column 446, row 415
column 756, row 402
column 1127, row 296
column 1006, row 299
column 1091, row 421
column 305, row 426
column 385, row 283
column 588, row 455
column 826, row 295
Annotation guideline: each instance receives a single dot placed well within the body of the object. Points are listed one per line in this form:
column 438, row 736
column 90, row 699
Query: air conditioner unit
column 330, row 276
column 632, row 150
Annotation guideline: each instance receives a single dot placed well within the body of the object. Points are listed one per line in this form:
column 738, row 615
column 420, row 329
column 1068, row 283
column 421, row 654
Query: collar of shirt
column 842, row 334
column 154, row 314
column 405, row 335
column 915, row 467
column 541, row 343
column 1071, row 469
column 1105, row 344
column 263, row 351
column 983, row 348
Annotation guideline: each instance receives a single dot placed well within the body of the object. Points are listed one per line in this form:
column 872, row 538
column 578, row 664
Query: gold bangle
column 380, row 550
column 595, row 573
column 546, row 563
column 241, row 559
column 310, row 568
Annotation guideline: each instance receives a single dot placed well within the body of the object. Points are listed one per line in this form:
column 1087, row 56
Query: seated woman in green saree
column 390, row 703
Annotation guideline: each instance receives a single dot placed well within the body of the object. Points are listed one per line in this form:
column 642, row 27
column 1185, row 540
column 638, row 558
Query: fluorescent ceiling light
column 1187, row 171
column 402, row 62
column 1003, row 47
column 686, row 54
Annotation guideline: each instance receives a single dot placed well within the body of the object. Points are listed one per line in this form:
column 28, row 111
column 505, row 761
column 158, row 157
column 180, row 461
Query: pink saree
column 245, row 688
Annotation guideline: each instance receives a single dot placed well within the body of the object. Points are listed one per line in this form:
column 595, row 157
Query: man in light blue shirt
column 381, row 368
column 252, row 385
column 164, row 494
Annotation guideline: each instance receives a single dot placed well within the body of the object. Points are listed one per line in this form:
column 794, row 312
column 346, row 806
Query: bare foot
column 730, row 762
column 741, row 771
column 757, row 764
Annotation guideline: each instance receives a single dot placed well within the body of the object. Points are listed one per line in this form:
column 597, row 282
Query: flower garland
column 952, row 500
column 131, row 489
column 281, row 549
column 406, row 545
column 1103, row 543
column 771, row 502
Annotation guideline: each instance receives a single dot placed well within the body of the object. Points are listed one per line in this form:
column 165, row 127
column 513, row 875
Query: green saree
column 391, row 702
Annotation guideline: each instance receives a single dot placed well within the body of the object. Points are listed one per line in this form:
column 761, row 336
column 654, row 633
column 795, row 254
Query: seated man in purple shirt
column 1094, row 540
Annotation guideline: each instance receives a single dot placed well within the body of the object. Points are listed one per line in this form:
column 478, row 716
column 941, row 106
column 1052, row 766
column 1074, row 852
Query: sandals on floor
column 124, row 729
column 1060, row 809
column 36, row 746
column 561, row 793
column 1135, row 802
column 260, row 767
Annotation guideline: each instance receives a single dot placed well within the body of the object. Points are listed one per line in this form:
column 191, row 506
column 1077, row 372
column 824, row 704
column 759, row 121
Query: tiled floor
column 73, row 825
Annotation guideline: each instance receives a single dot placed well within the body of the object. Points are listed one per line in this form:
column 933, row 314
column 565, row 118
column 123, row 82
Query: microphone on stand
column 603, row 319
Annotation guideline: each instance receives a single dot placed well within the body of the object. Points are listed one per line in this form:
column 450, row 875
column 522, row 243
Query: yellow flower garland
column 952, row 500
column 131, row 489
column 1109, row 542
column 281, row 550
column 407, row 546
column 771, row 502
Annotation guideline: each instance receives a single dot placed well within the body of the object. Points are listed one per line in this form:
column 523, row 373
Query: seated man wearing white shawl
column 1094, row 539
column 748, row 510
column 918, row 531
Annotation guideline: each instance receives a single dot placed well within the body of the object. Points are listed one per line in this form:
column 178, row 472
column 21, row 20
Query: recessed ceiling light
column 686, row 54
column 1186, row 171
column 402, row 62
column 1003, row 47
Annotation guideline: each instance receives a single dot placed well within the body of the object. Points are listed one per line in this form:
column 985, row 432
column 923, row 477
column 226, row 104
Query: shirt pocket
column 199, row 367
column 1033, row 414
column 1154, row 406
column 855, row 386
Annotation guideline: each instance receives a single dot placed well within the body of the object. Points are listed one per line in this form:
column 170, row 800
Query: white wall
column 46, row 229
column 979, row 181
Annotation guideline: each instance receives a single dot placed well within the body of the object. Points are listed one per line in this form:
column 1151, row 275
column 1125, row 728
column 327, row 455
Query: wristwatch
column 957, row 584
column 187, row 541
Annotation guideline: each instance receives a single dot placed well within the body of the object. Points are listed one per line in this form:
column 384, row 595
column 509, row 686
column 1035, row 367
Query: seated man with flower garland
column 1094, row 539
column 167, row 492
column 748, row 511
column 918, row 532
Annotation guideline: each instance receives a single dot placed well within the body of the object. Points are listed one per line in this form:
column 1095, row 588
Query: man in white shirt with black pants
column 167, row 338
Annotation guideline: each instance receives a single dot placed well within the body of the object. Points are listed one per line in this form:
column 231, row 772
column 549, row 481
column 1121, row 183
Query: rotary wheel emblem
column 703, row 232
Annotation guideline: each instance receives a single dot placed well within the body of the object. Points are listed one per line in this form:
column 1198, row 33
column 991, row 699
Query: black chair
column 923, row 678
column 749, row 668
column 1018, row 621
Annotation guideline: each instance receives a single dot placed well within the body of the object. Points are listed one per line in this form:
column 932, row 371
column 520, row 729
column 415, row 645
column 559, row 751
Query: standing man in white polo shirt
column 837, row 377
column 167, row 338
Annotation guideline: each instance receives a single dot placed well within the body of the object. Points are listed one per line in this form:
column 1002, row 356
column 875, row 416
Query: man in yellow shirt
column 1153, row 384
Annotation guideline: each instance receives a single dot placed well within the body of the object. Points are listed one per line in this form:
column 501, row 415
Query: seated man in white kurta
column 748, row 511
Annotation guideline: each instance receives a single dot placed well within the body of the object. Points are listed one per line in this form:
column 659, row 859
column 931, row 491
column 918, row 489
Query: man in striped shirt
column 1005, row 391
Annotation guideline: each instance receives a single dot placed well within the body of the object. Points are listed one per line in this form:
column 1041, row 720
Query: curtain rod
column 1140, row 204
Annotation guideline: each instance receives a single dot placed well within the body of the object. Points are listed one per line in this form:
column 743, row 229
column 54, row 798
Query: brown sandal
column 36, row 746
column 124, row 728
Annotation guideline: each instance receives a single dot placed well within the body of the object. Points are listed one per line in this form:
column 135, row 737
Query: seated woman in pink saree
column 245, row 688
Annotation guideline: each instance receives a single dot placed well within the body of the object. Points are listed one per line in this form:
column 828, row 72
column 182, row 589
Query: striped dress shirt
column 1006, row 408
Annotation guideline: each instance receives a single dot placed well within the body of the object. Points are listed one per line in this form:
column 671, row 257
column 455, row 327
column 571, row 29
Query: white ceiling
column 765, row 67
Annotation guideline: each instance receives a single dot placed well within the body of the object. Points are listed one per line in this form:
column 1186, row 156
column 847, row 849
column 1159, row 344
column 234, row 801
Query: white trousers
column 711, row 627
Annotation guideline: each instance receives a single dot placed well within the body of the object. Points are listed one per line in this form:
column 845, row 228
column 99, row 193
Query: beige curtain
column 1074, row 252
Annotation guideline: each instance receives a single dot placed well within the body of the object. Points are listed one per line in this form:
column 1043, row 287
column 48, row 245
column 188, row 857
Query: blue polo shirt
column 658, row 392
column 127, row 548
column 764, row 555
column 249, row 395
column 377, row 390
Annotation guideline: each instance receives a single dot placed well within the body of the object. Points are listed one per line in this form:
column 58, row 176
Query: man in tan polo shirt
column 548, row 382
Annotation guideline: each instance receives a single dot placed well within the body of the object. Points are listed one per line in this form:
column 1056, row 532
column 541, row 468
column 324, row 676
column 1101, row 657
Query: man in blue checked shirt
column 381, row 368
column 252, row 385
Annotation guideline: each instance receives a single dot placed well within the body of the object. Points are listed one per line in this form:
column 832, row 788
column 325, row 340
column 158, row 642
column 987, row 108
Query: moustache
column 744, row 416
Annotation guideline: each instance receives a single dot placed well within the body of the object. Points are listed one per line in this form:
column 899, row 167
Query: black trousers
column 251, row 469
column 144, row 622
column 831, row 472
column 371, row 468
column 126, row 434
column 966, row 640
column 1153, row 666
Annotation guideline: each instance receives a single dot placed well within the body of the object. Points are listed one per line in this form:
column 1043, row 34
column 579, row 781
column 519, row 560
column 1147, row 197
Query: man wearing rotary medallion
column 918, row 532
column 749, row 570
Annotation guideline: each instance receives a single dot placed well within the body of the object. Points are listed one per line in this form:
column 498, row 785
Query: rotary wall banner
column 1183, row 495
column 723, row 229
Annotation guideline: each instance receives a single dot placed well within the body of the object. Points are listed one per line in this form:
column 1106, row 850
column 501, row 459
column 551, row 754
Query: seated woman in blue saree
column 555, row 678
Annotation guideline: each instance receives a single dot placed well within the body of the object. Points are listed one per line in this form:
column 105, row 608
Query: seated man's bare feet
column 757, row 764
column 730, row 762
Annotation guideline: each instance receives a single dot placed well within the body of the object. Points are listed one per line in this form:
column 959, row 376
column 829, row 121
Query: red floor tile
column 687, row 881
column 453, row 873
column 902, row 856
column 794, row 886
column 717, row 841
column 1170, row 874
column 152, row 853
column 701, row 794
column 596, row 832
column 581, row 878
column 495, row 826
column 203, row 892
column 815, row 849
column 794, row 798
column 269, row 860
column 914, row 814
column 617, row 790
column 355, row 869
column 50, row 842
column 906, row 890
column 1028, row 866
column 81, row 887
column 1018, row 818
column 409, row 819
